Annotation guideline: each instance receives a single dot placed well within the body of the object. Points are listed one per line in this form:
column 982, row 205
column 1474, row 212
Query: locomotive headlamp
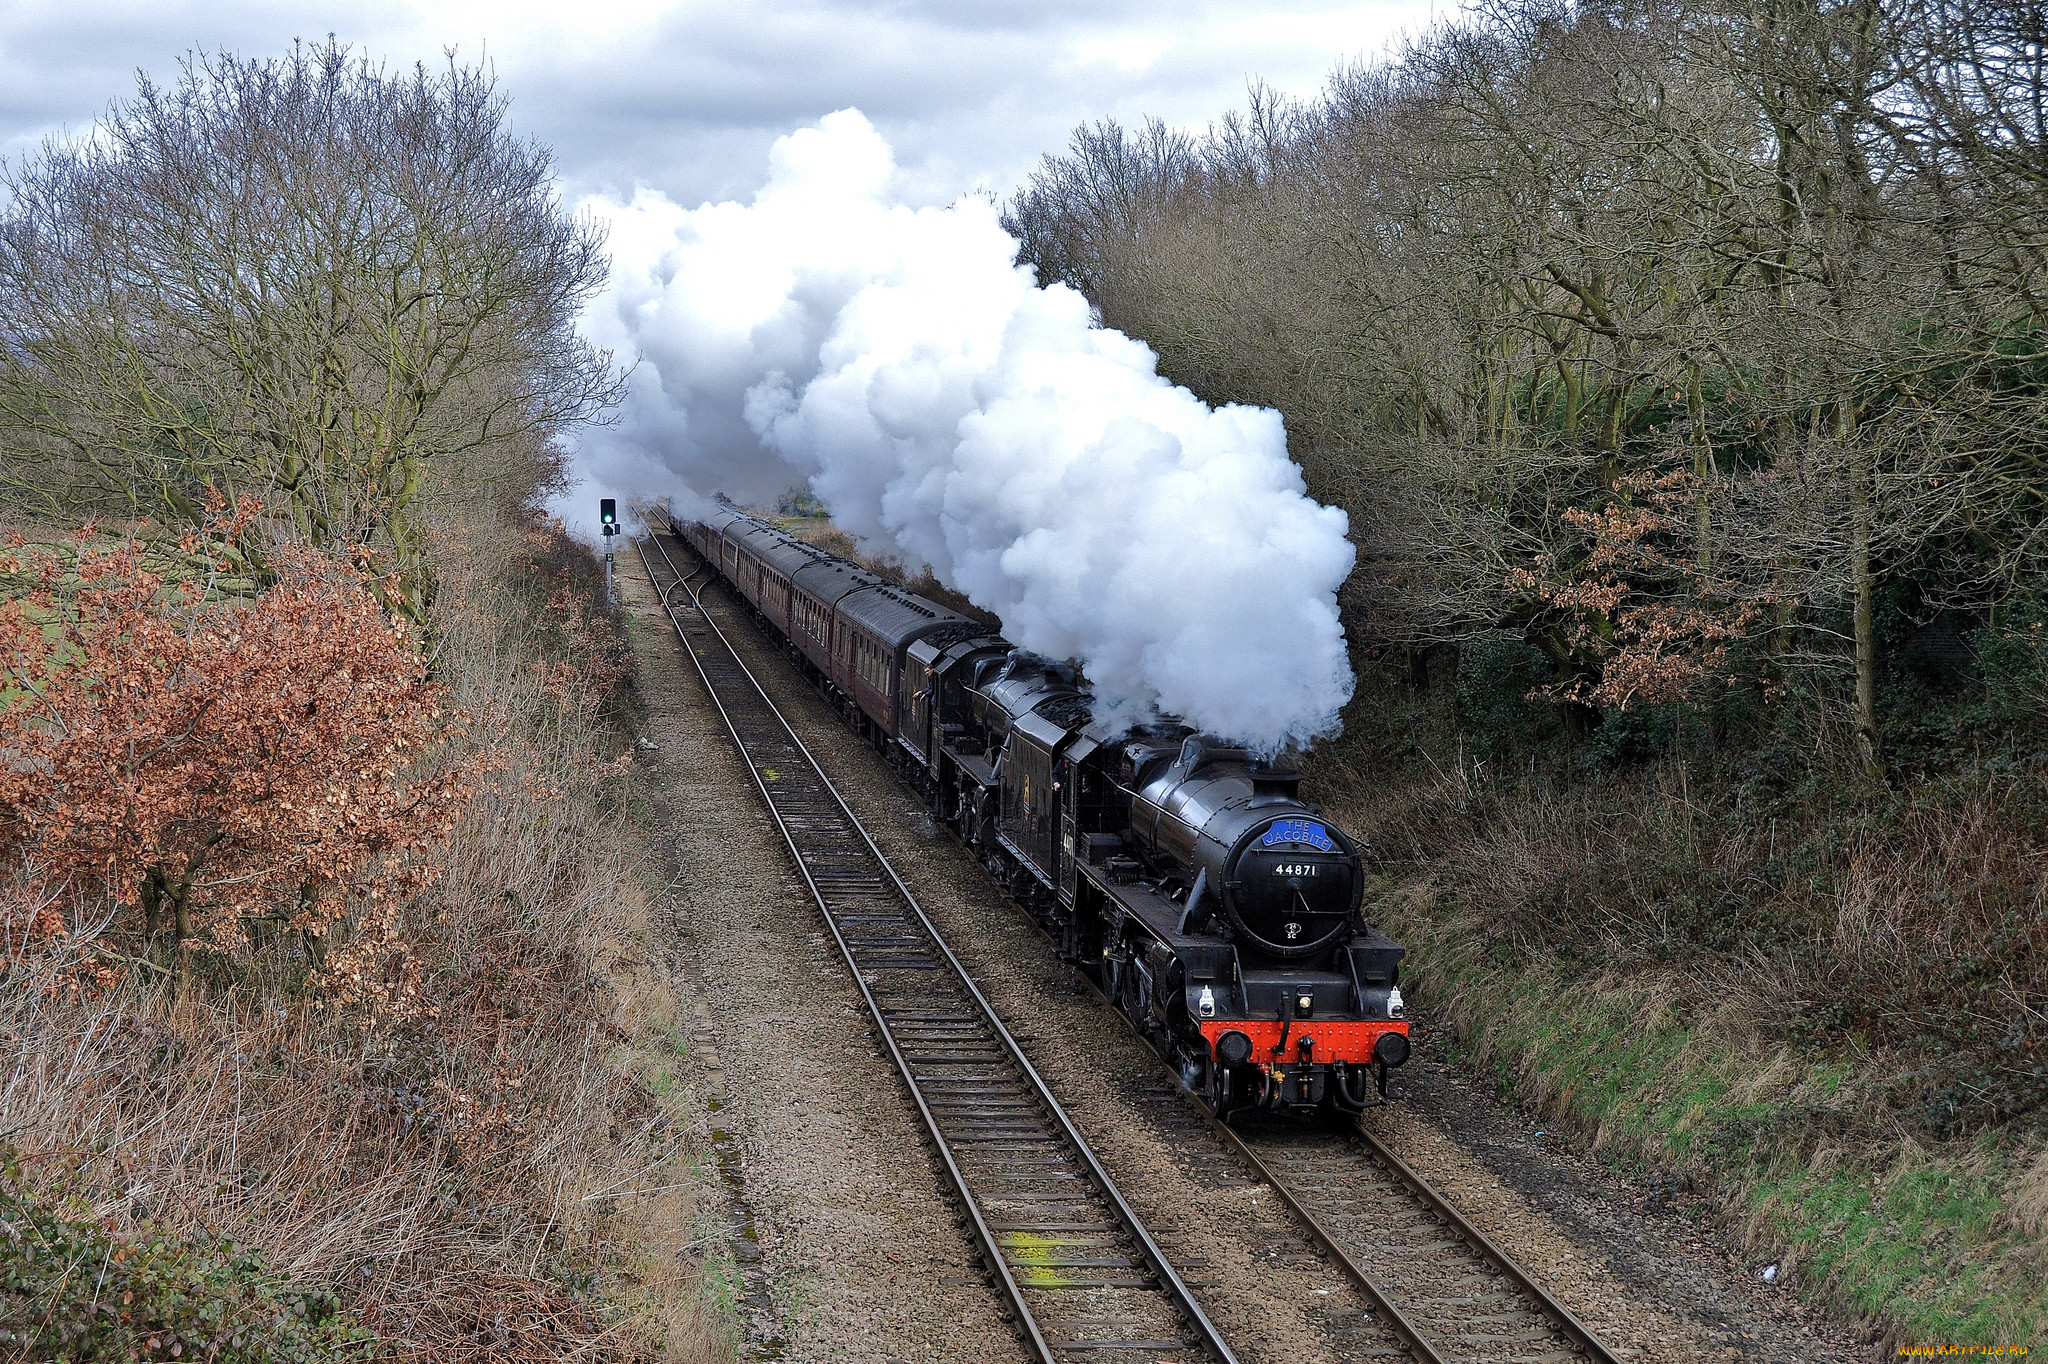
column 1395, row 1008
column 1391, row 1049
column 1233, row 1049
column 1304, row 1003
column 1205, row 1003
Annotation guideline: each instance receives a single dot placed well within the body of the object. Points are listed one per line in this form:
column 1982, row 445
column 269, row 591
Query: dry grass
column 468, row 1177
column 1908, row 926
column 1826, row 1016
column 2029, row 1198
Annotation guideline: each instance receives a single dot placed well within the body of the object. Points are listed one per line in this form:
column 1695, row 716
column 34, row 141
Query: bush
column 2013, row 659
column 73, row 1290
column 431, row 1165
column 210, row 766
column 1499, row 677
column 1640, row 733
column 799, row 500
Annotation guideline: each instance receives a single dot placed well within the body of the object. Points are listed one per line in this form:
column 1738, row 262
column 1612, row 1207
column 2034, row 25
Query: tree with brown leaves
column 219, row 771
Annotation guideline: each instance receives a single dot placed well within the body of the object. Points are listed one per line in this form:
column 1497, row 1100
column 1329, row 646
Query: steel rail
column 1426, row 1350
column 1417, row 1341
column 1176, row 1293
column 1504, row 1263
column 1418, row 1344
column 1411, row 1336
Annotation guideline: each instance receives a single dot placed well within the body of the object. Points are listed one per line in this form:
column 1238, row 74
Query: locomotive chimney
column 1273, row 783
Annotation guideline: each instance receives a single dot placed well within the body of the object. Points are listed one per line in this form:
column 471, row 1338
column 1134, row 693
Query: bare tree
column 305, row 279
column 1557, row 270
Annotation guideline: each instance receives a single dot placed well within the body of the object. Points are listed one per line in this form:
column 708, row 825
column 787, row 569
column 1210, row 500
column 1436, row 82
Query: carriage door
column 1064, row 843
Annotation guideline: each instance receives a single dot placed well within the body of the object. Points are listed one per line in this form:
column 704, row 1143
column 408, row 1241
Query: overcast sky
column 685, row 98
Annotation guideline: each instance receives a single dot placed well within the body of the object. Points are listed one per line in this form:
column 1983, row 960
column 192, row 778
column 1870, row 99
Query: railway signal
column 608, row 515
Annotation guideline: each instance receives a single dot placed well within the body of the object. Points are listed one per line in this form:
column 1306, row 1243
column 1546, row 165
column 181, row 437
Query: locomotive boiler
column 1217, row 910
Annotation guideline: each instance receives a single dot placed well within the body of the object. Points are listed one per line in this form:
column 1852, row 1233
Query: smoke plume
column 949, row 411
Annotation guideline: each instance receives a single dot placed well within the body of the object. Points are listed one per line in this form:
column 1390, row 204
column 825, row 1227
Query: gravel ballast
column 841, row 1243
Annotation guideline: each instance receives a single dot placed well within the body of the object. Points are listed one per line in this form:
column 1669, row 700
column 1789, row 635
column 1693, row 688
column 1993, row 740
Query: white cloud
column 686, row 98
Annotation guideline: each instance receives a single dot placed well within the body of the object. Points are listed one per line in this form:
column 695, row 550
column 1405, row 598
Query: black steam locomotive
column 1217, row 910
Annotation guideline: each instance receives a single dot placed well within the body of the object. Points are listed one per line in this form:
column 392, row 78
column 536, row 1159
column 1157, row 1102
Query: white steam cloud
column 947, row 409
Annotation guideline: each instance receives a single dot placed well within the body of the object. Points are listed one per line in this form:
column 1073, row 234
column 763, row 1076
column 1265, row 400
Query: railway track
column 1453, row 1296
column 1085, row 1278
column 1457, row 1298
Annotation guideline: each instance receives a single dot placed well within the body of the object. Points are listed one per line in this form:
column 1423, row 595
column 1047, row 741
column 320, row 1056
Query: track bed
column 1084, row 1276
